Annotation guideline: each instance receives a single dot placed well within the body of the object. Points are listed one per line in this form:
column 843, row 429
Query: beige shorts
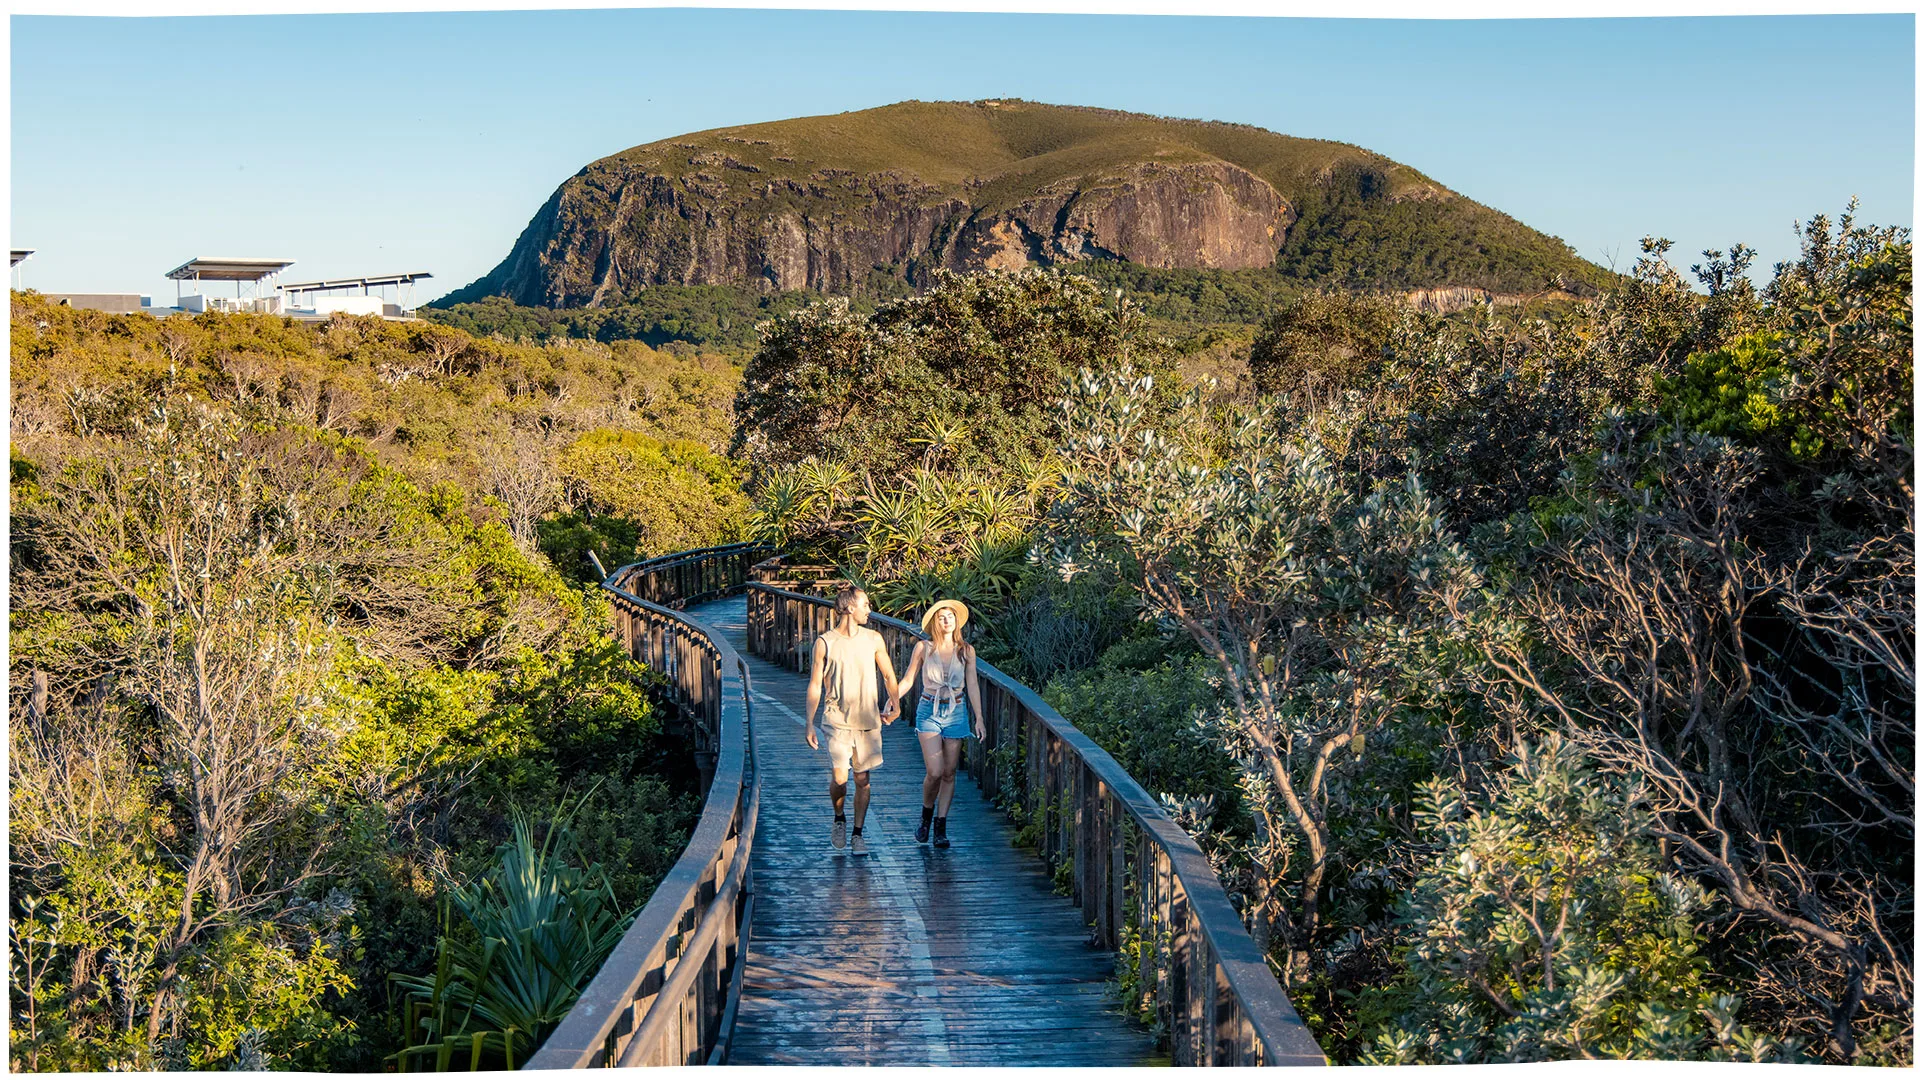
column 852, row 750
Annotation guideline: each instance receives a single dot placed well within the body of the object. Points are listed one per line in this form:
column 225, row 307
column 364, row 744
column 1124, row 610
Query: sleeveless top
column 943, row 684
column 850, row 688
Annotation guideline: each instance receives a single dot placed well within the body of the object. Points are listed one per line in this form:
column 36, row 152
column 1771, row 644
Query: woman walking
column 949, row 710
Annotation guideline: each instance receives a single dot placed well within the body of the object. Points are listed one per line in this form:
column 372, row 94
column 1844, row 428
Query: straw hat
column 959, row 615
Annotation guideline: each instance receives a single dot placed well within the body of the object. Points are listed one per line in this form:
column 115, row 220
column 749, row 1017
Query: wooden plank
column 910, row 956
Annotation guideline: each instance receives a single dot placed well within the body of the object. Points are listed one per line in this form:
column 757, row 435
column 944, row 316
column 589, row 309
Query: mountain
column 827, row 202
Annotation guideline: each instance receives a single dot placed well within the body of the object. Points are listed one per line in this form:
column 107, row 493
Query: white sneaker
column 859, row 844
column 839, row 832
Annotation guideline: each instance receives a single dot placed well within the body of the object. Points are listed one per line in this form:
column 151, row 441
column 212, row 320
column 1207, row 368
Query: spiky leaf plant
column 541, row 928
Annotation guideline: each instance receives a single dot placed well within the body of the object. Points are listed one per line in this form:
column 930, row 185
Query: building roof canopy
column 355, row 282
column 20, row 255
column 227, row 269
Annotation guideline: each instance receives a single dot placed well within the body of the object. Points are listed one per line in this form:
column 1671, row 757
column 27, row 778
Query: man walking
column 844, row 661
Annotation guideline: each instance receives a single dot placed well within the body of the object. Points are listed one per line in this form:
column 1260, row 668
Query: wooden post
column 37, row 698
column 1079, row 773
column 1117, row 886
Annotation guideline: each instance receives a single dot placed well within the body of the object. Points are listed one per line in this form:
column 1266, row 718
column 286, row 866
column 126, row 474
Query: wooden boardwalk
column 908, row 956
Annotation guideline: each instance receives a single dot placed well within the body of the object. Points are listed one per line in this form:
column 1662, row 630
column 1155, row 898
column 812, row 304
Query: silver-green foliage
column 1545, row 928
column 1327, row 608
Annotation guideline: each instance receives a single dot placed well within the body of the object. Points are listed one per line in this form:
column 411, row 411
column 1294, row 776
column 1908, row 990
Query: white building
column 256, row 289
column 252, row 278
column 336, row 294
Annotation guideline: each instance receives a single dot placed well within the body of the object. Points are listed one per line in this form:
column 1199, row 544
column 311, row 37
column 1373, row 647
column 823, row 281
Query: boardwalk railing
column 666, row 994
column 689, row 577
column 786, row 572
column 1133, row 869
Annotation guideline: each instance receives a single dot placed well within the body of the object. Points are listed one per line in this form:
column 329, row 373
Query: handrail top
column 675, row 558
column 884, row 620
column 1239, row 959
column 719, row 641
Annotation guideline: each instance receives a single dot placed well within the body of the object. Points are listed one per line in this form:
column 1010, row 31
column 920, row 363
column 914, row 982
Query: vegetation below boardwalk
column 1540, row 687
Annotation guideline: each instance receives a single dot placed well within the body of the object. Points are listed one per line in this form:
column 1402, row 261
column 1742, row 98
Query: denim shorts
column 958, row 726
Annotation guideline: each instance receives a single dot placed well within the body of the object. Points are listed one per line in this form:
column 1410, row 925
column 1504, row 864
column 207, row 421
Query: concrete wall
column 117, row 303
column 352, row 305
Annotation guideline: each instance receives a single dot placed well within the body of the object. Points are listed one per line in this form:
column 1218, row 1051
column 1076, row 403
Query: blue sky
column 376, row 143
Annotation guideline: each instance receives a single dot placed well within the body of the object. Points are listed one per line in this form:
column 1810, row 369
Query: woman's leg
column 933, row 755
column 930, row 787
column 949, row 767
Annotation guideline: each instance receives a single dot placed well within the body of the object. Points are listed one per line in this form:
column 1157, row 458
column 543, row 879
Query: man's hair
column 843, row 600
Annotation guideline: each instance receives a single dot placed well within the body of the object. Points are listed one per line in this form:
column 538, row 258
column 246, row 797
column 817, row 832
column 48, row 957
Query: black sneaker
column 926, row 822
column 940, row 832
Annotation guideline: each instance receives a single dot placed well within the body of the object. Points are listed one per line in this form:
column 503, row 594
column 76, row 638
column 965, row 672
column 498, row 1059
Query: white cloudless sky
column 372, row 143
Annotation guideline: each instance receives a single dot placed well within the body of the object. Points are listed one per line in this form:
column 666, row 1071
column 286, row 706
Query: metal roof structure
column 356, row 282
column 228, row 269
column 20, row 255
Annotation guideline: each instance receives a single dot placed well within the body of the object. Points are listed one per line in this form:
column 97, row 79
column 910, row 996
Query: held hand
column 891, row 712
column 979, row 731
column 813, row 737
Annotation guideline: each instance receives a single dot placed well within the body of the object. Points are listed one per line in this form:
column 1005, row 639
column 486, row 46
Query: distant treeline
column 1345, row 239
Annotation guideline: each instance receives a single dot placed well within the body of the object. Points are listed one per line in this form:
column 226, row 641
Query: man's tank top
column 849, row 687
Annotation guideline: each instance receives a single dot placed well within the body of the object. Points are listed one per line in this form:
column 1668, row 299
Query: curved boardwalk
column 909, row 956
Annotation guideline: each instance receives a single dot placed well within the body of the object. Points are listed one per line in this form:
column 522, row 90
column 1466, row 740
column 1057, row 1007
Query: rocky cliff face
column 824, row 202
column 619, row 226
column 1458, row 298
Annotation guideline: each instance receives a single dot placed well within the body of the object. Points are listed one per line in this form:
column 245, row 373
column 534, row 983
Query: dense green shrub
column 964, row 374
column 1319, row 344
column 1736, row 392
column 639, row 497
column 1153, row 723
column 1546, row 926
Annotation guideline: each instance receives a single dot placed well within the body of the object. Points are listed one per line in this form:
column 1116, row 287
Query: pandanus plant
column 540, row 931
column 777, row 510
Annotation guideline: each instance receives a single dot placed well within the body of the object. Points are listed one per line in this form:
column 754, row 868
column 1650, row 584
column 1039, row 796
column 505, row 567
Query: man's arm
column 885, row 660
column 813, row 689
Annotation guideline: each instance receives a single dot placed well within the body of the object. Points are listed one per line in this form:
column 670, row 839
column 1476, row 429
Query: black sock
column 856, row 830
column 839, row 817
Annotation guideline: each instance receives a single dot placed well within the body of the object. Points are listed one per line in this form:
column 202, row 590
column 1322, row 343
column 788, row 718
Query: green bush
column 965, row 374
column 676, row 494
column 1737, row 392
column 1547, row 927
column 1321, row 343
column 1151, row 722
